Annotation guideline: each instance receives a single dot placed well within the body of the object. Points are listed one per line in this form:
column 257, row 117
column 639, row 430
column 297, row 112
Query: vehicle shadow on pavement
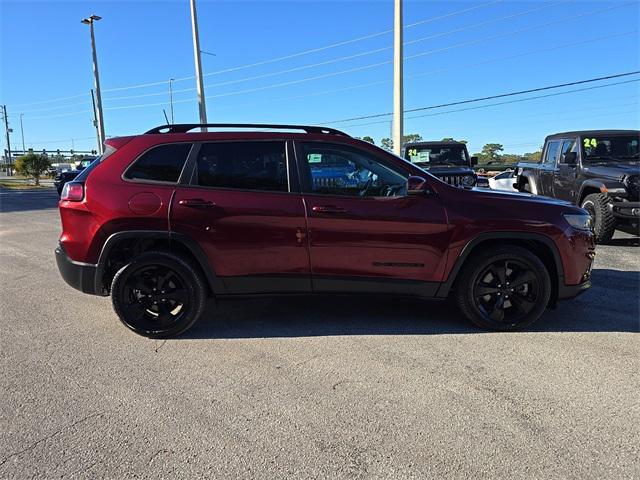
column 27, row 199
column 611, row 305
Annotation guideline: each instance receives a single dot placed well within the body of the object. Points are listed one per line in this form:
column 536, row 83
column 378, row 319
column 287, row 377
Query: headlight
column 578, row 221
column 468, row 181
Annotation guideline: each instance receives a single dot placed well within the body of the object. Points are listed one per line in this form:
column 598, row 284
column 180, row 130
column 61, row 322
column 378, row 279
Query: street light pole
column 22, row 133
column 171, row 99
column 397, row 78
column 196, row 54
column 89, row 21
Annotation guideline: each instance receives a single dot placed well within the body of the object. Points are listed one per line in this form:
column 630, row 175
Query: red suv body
column 232, row 213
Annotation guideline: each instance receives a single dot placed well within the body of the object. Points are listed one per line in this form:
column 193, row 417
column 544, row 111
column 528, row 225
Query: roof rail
column 185, row 127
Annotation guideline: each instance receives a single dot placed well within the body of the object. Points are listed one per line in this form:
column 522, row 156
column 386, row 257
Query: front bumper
column 571, row 291
column 78, row 275
column 626, row 210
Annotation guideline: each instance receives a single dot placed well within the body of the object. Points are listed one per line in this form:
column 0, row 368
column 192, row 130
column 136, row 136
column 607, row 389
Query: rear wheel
column 158, row 295
column 604, row 223
column 504, row 288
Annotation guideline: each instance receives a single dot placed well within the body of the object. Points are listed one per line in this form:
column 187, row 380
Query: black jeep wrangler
column 598, row 170
column 447, row 160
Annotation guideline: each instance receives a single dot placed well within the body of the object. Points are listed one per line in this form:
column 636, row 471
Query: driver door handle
column 328, row 209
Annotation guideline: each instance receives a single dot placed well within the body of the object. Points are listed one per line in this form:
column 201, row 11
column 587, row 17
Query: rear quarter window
column 160, row 164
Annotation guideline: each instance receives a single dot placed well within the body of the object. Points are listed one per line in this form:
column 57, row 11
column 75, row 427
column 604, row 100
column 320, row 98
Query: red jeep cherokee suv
column 161, row 221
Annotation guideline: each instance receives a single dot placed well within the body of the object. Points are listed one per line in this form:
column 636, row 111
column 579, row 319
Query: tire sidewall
column 192, row 284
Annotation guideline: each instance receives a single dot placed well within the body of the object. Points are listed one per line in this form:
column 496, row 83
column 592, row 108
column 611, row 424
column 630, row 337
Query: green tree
column 387, row 143
column 32, row 165
column 451, row 139
column 532, row 157
column 367, row 138
column 490, row 153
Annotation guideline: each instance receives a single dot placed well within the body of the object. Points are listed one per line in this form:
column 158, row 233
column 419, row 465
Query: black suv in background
column 447, row 160
column 598, row 170
column 67, row 175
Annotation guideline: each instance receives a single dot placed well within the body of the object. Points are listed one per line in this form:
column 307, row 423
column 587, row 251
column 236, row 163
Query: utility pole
column 7, row 131
column 22, row 132
column 196, row 54
column 95, row 120
column 171, row 99
column 100, row 119
column 398, row 104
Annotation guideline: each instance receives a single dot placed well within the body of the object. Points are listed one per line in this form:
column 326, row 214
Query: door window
column 551, row 155
column 160, row 164
column 568, row 146
column 342, row 170
column 242, row 166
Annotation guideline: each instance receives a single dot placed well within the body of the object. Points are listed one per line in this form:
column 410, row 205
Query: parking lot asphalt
column 299, row 387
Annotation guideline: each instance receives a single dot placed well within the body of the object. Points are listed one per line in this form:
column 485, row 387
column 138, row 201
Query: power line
column 349, row 57
column 276, row 59
column 331, row 74
column 491, row 97
column 501, row 103
column 386, row 62
column 440, row 70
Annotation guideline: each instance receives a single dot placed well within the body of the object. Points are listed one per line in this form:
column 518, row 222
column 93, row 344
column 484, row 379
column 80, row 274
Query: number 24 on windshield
column 590, row 142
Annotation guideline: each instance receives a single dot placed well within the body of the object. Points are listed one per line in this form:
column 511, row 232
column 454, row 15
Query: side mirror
column 416, row 185
column 571, row 158
column 474, row 161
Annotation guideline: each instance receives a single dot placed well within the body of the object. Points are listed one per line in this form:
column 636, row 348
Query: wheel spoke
column 526, row 276
column 522, row 303
column 497, row 312
column 133, row 310
column 484, row 289
column 161, row 280
column 178, row 295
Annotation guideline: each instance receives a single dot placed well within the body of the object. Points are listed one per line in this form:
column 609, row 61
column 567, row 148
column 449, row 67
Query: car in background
column 64, row 176
column 598, row 170
column 503, row 181
column 447, row 160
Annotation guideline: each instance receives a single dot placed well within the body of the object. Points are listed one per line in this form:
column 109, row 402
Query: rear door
column 564, row 177
column 365, row 233
column 240, row 205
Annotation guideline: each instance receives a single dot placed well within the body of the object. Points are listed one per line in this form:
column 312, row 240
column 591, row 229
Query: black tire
column 512, row 300
column 158, row 295
column 604, row 223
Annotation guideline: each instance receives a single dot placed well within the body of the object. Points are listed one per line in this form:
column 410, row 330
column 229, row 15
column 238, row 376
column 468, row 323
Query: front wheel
column 604, row 223
column 158, row 295
column 504, row 288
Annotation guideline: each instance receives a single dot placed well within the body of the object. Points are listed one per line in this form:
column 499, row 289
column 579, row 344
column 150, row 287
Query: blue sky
column 457, row 50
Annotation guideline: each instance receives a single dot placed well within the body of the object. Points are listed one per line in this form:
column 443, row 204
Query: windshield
column 604, row 147
column 437, row 154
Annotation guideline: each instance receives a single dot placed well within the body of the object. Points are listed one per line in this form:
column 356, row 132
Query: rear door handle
column 328, row 209
column 196, row 203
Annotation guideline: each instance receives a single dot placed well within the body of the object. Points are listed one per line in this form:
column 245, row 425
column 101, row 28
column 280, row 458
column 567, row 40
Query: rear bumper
column 78, row 275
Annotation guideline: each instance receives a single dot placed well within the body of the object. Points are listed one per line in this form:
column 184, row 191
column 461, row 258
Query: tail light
column 73, row 192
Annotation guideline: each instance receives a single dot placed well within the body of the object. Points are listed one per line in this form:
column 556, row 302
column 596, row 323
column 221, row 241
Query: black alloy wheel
column 506, row 291
column 503, row 288
column 158, row 295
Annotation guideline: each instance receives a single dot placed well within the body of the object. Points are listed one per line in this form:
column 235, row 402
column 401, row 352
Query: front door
column 564, row 178
column 365, row 233
column 239, row 208
column 548, row 168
